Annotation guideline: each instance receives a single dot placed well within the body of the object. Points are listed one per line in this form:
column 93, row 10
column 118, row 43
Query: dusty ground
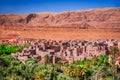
column 58, row 33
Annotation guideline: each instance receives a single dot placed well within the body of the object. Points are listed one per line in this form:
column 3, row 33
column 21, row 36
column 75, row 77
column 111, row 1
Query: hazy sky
column 31, row 6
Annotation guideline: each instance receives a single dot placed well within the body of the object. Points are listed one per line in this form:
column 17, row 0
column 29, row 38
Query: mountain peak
column 95, row 18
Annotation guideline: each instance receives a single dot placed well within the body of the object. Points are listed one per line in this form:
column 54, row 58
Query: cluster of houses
column 65, row 51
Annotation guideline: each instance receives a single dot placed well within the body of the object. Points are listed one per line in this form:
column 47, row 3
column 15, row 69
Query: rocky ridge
column 93, row 18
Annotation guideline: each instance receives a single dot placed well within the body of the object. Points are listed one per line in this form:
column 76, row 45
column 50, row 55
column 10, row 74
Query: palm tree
column 46, row 59
column 38, row 75
column 75, row 71
column 114, row 51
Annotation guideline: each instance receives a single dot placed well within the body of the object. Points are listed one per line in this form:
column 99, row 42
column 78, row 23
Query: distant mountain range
column 93, row 18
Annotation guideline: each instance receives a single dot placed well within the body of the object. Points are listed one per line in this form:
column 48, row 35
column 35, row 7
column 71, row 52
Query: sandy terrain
column 81, row 24
column 58, row 33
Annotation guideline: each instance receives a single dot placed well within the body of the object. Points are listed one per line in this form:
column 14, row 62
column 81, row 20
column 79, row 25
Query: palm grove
column 98, row 68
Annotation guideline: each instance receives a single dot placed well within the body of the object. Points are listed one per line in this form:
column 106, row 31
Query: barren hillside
column 93, row 18
column 101, row 23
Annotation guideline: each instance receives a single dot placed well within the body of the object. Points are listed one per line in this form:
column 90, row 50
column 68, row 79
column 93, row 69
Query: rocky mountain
column 93, row 18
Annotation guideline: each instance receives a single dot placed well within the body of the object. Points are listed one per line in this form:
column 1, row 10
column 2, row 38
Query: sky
column 35, row 6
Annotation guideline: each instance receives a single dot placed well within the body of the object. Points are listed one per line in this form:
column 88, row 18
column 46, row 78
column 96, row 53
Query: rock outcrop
column 93, row 18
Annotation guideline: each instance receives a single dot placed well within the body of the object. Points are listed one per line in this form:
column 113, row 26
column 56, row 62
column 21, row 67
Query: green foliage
column 47, row 59
column 31, row 62
column 8, row 49
column 12, row 69
column 97, row 68
column 114, row 50
column 75, row 71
